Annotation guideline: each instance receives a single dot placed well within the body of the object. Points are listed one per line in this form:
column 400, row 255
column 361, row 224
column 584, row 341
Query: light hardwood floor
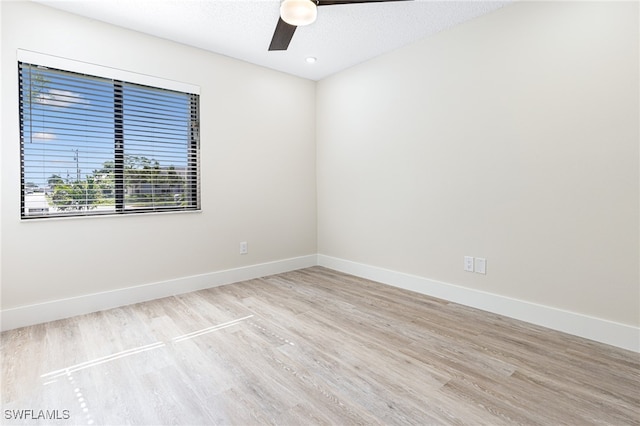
column 312, row 347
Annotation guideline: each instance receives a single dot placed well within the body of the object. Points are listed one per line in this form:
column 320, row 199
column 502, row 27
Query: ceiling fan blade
column 333, row 2
column 284, row 32
column 282, row 35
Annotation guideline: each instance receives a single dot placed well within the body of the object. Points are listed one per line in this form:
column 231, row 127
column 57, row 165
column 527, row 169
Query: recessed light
column 311, row 60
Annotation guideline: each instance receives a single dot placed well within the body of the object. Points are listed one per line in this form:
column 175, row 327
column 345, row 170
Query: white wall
column 512, row 137
column 258, row 180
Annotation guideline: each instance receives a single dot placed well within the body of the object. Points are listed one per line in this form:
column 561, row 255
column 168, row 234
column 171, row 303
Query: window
column 95, row 145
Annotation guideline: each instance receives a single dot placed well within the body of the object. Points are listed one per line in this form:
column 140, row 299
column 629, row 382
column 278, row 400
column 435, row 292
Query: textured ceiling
column 342, row 36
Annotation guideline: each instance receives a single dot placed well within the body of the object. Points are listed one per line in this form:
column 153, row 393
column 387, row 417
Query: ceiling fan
column 297, row 13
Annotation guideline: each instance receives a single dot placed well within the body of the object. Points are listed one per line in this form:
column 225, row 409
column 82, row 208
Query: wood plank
column 313, row 346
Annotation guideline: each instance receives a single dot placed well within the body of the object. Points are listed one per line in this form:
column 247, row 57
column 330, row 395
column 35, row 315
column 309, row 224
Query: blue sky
column 70, row 126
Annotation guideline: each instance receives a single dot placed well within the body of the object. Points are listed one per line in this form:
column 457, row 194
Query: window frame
column 116, row 77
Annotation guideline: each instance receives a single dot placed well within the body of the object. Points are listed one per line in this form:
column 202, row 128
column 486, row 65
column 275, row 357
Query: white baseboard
column 611, row 333
column 65, row 308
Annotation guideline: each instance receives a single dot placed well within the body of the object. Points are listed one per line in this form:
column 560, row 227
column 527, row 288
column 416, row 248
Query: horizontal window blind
column 93, row 145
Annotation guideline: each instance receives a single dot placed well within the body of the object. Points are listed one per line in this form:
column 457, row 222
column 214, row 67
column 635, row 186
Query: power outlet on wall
column 244, row 247
column 468, row 263
column 475, row 264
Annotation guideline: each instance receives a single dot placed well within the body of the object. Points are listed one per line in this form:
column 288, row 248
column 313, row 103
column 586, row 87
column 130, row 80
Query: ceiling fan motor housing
column 298, row 12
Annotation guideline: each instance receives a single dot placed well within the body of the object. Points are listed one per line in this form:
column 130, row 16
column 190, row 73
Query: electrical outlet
column 480, row 265
column 244, row 248
column 468, row 263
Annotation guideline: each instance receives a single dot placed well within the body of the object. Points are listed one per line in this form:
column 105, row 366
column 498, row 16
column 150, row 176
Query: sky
column 68, row 124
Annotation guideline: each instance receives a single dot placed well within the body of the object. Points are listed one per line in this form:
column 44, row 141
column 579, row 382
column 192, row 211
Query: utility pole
column 76, row 157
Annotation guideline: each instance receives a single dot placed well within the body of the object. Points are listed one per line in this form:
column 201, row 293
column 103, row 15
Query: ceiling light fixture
column 311, row 60
column 298, row 12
